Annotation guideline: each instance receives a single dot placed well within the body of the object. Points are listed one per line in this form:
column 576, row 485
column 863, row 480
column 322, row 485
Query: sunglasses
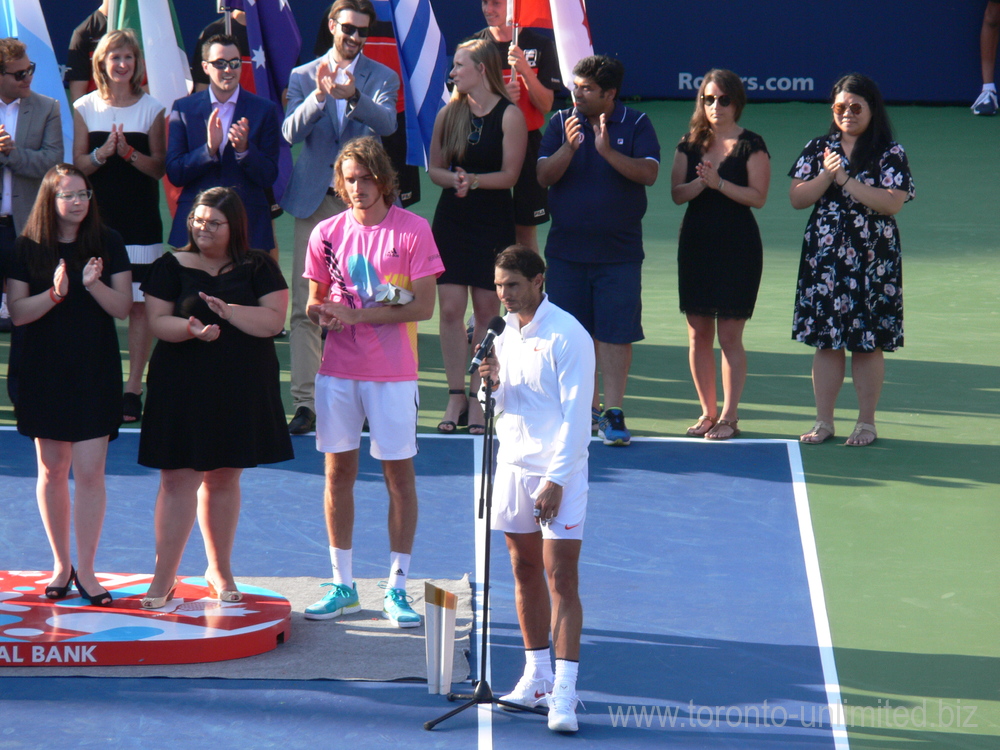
column 350, row 30
column 840, row 108
column 708, row 100
column 477, row 130
column 233, row 64
column 20, row 75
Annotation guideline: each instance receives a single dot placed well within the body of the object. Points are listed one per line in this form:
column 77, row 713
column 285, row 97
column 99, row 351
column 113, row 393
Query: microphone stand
column 483, row 694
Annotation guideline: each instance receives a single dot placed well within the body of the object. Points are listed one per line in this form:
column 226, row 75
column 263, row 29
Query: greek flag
column 425, row 73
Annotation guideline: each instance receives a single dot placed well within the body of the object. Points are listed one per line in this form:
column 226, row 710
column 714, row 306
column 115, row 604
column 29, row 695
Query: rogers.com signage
column 766, row 84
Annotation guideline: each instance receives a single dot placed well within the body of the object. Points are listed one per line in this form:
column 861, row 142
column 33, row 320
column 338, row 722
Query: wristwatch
column 353, row 98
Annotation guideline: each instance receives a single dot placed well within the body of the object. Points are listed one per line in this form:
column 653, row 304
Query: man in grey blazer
column 331, row 100
column 31, row 143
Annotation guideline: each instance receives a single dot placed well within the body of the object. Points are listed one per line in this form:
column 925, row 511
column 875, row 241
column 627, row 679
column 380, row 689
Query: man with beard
column 337, row 97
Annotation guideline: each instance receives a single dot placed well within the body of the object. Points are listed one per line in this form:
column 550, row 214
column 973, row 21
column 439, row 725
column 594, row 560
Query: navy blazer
column 321, row 136
column 190, row 166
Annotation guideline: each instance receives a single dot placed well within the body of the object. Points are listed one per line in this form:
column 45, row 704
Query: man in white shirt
column 542, row 378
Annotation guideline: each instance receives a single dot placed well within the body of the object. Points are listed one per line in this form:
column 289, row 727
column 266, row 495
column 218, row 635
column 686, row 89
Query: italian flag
column 155, row 22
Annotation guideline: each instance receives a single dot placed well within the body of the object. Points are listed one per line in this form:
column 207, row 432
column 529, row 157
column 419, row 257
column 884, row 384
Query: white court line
column 823, row 636
column 484, row 711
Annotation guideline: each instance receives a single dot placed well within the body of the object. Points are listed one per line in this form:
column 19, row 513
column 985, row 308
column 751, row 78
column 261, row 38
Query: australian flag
column 274, row 42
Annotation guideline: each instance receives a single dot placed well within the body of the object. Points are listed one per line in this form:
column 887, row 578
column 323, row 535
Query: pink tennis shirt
column 354, row 259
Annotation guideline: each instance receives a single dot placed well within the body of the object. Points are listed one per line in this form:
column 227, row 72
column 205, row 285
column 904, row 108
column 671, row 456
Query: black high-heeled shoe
column 103, row 599
column 61, row 592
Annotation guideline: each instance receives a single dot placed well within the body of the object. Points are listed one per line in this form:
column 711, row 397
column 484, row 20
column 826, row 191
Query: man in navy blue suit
column 224, row 136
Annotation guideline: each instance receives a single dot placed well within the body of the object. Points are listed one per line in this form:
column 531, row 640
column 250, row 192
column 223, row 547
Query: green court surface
column 908, row 530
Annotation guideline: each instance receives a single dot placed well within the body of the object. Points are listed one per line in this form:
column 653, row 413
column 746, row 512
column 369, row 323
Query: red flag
column 568, row 20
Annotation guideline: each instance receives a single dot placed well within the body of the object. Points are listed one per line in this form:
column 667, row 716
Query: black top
column 719, row 253
column 470, row 231
column 214, row 404
column 84, row 41
column 71, row 368
column 128, row 199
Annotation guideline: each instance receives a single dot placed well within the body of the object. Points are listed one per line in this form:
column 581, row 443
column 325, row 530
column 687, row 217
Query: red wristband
column 55, row 296
column 128, row 154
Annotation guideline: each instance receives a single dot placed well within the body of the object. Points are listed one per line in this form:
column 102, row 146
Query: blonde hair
column 456, row 124
column 123, row 38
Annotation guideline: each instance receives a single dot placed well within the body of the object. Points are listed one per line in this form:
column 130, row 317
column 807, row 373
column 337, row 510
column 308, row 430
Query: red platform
column 192, row 628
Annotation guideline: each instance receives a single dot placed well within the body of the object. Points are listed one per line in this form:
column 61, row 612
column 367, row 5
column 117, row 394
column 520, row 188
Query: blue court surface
column 704, row 620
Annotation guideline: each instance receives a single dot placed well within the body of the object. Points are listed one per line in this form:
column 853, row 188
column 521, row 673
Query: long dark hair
column 700, row 132
column 43, row 227
column 228, row 202
column 872, row 143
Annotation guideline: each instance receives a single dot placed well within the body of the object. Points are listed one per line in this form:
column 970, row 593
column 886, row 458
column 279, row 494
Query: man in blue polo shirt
column 597, row 159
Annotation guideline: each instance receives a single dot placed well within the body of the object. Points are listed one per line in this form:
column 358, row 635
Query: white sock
column 538, row 664
column 566, row 672
column 990, row 87
column 399, row 568
column 341, row 560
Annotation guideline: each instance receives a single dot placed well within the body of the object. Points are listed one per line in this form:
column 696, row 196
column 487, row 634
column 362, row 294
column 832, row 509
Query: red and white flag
column 568, row 21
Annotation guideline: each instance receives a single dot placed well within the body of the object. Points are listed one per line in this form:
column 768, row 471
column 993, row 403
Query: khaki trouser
column 305, row 336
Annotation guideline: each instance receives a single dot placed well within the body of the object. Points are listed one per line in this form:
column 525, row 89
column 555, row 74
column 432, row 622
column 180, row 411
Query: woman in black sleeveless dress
column 476, row 155
column 721, row 171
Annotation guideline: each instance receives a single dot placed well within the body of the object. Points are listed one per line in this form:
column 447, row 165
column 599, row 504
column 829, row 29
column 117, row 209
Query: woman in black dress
column 214, row 404
column 119, row 140
column 850, row 290
column 721, row 171
column 476, row 154
column 69, row 280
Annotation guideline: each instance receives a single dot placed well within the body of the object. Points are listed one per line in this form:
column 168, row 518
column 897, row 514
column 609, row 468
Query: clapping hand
column 574, row 131
column 239, row 134
column 6, row 140
column 106, row 150
column 92, row 272
column 215, row 134
column 218, row 306
column 601, row 142
column 343, row 84
column 201, row 331
column 708, row 174
column 833, row 164
column 121, row 145
column 60, row 279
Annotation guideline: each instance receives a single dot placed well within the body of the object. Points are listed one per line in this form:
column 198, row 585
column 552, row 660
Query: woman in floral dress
column 849, row 295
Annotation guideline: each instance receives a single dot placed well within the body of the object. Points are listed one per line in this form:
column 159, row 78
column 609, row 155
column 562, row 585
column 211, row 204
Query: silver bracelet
column 96, row 160
column 721, row 183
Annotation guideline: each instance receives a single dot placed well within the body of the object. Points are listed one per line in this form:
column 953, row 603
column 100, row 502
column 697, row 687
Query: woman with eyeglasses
column 119, row 141
column 721, row 170
column 214, row 405
column 849, row 295
column 477, row 150
column 69, row 280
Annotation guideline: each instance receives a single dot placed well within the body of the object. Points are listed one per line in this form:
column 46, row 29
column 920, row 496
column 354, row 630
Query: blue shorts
column 605, row 297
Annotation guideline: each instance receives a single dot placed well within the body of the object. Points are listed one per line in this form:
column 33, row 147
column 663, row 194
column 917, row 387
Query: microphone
column 496, row 327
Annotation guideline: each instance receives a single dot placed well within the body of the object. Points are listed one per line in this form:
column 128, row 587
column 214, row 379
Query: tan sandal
column 856, row 433
column 731, row 424
column 813, row 437
column 696, row 430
